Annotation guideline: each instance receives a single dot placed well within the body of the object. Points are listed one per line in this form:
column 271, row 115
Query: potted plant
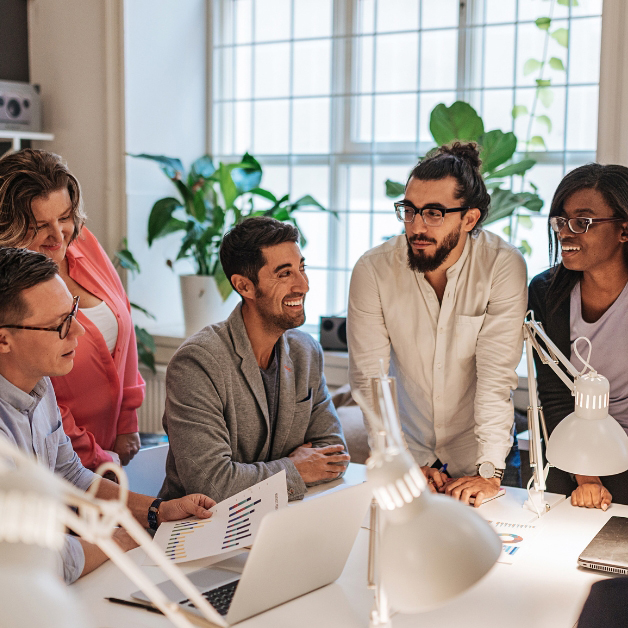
column 210, row 201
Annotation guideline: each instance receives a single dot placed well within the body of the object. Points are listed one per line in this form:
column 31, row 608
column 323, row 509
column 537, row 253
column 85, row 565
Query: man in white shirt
column 443, row 307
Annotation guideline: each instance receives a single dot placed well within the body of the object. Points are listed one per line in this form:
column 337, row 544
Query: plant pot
column 202, row 303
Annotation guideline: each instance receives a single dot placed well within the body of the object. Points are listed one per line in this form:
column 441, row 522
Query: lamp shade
column 433, row 549
column 589, row 441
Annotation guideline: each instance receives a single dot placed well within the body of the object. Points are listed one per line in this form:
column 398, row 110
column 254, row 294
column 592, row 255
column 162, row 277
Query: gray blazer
column 216, row 412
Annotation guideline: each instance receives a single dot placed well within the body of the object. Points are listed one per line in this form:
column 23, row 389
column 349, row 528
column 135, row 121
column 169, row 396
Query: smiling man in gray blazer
column 247, row 397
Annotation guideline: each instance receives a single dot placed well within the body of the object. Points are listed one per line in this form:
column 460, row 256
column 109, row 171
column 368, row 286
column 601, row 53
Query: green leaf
column 534, row 203
column 145, row 348
column 543, row 82
column 222, row 281
column 543, row 23
column 125, row 258
column 497, row 148
column 171, row 166
column 561, row 35
column 525, row 248
column 556, row 64
column 517, row 168
column 139, row 308
column 306, row 201
column 160, row 216
column 458, row 122
column 200, row 205
column 537, row 140
column 264, row 194
column 525, row 221
column 546, row 121
column 507, row 230
column 394, row 189
column 227, row 185
column 202, row 167
column 246, row 179
column 279, row 213
column 519, row 110
column 546, row 96
column 505, row 202
column 566, row 3
column 531, row 65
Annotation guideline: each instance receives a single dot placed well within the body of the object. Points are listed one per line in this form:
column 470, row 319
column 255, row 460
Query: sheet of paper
column 515, row 537
column 233, row 524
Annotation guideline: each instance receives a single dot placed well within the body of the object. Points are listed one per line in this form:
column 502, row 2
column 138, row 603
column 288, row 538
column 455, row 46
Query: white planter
column 202, row 303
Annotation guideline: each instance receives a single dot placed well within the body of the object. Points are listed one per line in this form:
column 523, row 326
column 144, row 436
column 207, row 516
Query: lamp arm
column 96, row 523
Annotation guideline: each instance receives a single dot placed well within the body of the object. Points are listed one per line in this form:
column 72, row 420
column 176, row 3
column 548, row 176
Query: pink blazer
column 99, row 398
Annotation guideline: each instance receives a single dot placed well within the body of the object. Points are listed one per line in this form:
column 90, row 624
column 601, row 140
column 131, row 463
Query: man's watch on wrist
column 487, row 470
column 153, row 511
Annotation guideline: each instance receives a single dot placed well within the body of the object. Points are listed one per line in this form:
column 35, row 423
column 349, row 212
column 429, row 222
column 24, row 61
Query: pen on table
column 146, row 607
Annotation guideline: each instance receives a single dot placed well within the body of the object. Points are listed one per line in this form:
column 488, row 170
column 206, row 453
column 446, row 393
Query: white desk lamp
column 424, row 549
column 586, row 442
column 33, row 512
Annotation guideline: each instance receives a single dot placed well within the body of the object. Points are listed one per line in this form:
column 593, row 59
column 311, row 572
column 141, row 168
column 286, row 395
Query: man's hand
column 591, row 493
column 319, row 463
column 126, row 446
column 472, row 486
column 195, row 505
column 435, row 479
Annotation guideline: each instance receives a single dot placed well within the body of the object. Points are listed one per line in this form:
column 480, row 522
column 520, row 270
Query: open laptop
column 297, row 550
column 608, row 551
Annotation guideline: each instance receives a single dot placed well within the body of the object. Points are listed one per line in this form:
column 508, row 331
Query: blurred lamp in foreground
column 428, row 548
column 588, row 441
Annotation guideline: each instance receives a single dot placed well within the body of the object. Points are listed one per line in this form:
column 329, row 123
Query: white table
column 543, row 589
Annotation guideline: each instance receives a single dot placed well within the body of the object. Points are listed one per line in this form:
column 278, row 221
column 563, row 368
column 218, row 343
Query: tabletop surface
column 543, row 588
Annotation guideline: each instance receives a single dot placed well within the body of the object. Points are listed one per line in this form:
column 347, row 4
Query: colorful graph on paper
column 514, row 537
column 233, row 524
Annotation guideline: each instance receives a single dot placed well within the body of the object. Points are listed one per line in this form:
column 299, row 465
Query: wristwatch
column 153, row 511
column 487, row 470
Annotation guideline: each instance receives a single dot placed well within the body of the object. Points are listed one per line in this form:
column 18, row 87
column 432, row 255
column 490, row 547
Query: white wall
column 166, row 104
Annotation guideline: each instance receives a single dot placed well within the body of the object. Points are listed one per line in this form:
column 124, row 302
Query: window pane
column 397, row 65
column 500, row 11
column 276, row 179
column 243, row 20
column 312, row 69
column 530, row 41
column 554, row 139
column 381, row 202
column 310, row 125
column 533, row 9
column 397, row 15
column 395, row 118
column 366, row 16
column 546, row 177
column 582, row 118
column 272, row 20
column 439, row 14
column 584, row 50
column 499, row 56
column 587, row 7
column 243, row 57
column 359, row 187
column 272, row 70
column 312, row 180
column 242, row 128
column 271, row 127
column 364, row 64
column 316, row 299
column 223, row 128
column 312, row 19
column 359, row 236
column 314, row 226
column 497, row 110
column 385, row 226
column 439, row 56
column 362, row 120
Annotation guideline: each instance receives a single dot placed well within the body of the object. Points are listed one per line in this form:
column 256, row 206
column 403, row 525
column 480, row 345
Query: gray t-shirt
column 609, row 354
column 270, row 377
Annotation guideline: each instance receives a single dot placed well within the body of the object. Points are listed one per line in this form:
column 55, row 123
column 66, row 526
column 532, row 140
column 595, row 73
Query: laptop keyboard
column 220, row 597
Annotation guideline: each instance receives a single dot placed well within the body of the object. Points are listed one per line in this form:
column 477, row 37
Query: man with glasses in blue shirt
column 38, row 335
column 443, row 305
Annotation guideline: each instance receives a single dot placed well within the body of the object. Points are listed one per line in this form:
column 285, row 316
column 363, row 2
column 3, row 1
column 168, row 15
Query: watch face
column 487, row 470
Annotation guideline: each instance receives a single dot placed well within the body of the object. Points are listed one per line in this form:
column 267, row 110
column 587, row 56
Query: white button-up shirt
column 454, row 361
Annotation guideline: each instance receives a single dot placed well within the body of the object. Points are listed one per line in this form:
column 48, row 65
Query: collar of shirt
column 21, row 401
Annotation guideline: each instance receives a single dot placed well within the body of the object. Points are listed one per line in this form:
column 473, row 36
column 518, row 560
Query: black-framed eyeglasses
column 578, row 224
column 432, row 216
column 62, row 329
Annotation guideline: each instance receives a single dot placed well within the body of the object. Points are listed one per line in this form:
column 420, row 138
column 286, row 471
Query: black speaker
column 334, row 333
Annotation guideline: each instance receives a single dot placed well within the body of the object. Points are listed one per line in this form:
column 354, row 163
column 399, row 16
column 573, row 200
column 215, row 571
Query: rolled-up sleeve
column 71, row 560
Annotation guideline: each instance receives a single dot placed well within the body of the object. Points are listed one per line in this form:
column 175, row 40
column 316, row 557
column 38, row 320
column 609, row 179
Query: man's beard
column 279, row 322
column 423, row 263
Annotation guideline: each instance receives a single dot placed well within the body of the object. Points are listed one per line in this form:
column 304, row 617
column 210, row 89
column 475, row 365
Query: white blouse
column 106, row 322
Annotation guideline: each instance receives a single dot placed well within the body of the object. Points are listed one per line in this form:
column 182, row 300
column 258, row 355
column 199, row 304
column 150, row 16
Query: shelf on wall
column 16, row 137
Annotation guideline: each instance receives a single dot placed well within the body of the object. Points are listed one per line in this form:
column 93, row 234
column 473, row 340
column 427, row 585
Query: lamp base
column 536, row 502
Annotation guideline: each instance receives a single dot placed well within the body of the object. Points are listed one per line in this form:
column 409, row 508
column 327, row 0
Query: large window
column 334, row 97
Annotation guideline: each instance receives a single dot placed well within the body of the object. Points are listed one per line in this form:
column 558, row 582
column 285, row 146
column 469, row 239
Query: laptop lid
column 608, row 551
column 297, row 550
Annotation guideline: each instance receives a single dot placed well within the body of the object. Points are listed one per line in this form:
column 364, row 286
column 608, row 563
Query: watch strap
column 153, row 511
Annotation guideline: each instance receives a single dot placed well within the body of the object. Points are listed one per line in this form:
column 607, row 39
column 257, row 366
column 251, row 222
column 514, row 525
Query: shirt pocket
column 467, row 330
column 303, row 408
column 52, row 445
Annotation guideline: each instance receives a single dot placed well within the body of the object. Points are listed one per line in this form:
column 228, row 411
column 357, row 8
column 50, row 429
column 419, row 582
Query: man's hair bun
column 468, row 151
